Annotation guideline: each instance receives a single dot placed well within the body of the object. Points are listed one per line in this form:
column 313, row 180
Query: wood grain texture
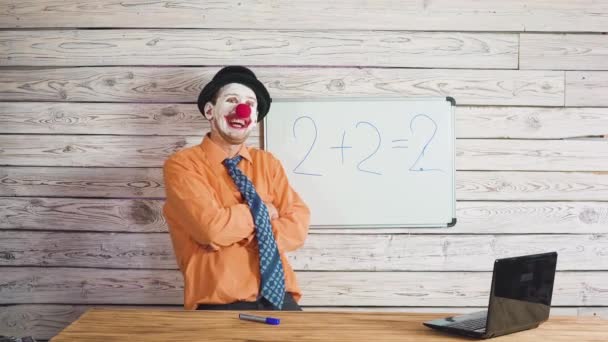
column 556, row 311
column 102, row 118
column 116, row 182
column 451, row 15
column 532, row 155
column 83, row 139
column 83, row 214
column 26, row 285
column 530, row 186
column 148, row 183
column 259, row 47
column 183, row 84
column 563, row 51
column 530, row 122
column 39, row 321
column 321, row 252
column 586, row 88
column 156, row 325
column 185, row 119
column 138, row 216
column 112, row 151
column 139, row 151
column 44, row 321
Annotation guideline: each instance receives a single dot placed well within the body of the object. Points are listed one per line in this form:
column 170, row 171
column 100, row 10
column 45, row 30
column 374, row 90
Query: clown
column 232, row 115
column 231, row 212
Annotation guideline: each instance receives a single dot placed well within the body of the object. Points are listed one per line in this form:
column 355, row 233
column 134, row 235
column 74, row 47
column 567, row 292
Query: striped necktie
column 271, row 268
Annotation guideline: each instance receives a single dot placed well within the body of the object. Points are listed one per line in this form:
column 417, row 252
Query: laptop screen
column 521, row 291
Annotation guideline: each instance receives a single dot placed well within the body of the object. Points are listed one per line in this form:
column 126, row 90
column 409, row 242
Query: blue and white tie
column 271, row 267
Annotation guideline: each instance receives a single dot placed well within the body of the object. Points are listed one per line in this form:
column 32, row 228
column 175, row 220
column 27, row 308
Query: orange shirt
column 212, row 227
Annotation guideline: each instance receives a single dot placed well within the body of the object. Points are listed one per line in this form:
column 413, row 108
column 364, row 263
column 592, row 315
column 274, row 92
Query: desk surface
column 157, row 325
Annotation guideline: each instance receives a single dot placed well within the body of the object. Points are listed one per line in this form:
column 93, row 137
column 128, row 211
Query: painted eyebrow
column 249, row 97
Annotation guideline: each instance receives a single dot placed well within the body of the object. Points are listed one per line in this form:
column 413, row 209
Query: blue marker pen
column 267, row 320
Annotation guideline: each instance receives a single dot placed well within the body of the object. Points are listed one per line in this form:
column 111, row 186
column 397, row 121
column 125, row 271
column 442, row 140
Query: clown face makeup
column 230, row 126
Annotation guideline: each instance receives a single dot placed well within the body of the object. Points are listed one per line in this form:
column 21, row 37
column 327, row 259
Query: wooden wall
column 95, row 95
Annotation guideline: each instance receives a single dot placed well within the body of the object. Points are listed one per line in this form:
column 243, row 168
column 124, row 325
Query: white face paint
column 224, row 120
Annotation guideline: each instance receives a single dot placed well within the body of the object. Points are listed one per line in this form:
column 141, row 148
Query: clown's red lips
column 234, row 121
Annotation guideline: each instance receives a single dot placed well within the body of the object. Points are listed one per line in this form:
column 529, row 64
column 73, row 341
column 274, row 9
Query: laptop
column 520, row 299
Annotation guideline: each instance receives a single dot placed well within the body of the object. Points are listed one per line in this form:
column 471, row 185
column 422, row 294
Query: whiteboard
column 368, row 163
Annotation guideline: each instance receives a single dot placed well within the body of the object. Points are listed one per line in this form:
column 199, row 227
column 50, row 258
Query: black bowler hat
column 236, row 74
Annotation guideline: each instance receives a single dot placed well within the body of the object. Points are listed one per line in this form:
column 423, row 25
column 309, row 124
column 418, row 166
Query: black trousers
column 289, row 304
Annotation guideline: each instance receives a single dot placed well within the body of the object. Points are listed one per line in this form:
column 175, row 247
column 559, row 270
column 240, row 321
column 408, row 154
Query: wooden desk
column 156, row 325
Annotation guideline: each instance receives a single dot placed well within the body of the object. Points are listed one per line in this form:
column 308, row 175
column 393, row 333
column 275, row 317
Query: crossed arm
column 211, row 224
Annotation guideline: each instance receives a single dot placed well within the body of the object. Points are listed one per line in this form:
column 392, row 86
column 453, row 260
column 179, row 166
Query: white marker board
column 368, row 163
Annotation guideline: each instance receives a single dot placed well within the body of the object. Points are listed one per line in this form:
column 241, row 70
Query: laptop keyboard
column 472, row 324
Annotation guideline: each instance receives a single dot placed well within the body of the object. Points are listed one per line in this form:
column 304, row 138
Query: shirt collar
column 216, row 155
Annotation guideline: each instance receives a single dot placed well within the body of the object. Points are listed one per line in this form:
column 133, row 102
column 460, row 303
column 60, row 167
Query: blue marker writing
column 267, row 320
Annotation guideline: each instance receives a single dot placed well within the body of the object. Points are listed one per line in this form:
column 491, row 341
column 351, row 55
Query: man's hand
column 272, row 211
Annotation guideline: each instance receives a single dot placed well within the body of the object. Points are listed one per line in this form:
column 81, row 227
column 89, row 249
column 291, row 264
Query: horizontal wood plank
column 113, row 151
column 148, row 183
column 183, row 84
column 26, row 285
column 185, row 119
column 453, row 15
column 530, row 122
column 563, row 51
column 102, row 118
column 44, row 321
column 82, row 214
column 586, row 88
column 443, row 252
column 138, row 216
column 259, row 47
column 139, row 151
column 530, row 186
column 321, row 252
column 531, row 155
column 104, row 182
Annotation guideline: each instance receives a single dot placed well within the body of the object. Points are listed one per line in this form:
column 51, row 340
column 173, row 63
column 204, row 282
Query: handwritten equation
column 306, row 132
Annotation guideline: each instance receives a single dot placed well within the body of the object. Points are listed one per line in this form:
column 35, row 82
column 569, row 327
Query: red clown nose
column 243, row 111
